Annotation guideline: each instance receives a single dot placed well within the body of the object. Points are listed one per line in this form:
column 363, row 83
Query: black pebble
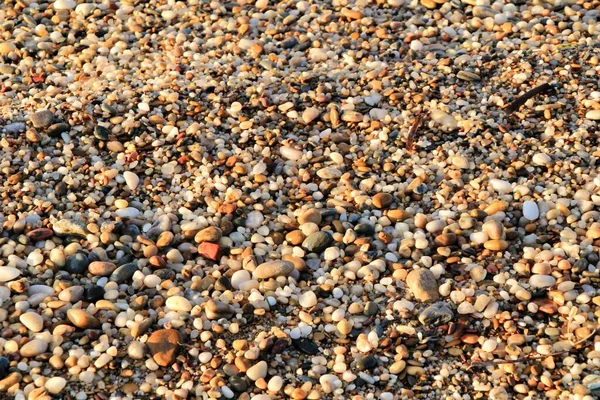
column 306, row 346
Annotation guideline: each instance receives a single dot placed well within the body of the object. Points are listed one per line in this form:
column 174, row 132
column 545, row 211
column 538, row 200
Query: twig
column 410, row 145
column 525, row 359
column 519, row 101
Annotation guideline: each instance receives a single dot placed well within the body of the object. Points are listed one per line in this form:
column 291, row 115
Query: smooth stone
column 33, row 348
column 32, row 321
column 364, row 229
column 290, row 153
column 500, row 185
column 93, row 293
column 136, row 350
column 310, row 114
column 257, row 371
column 210, row 234
column 128, row 212
column 371, row 308
column 239, row 277
column 311, row 215
column 9, row 273
column 4, row 366
column 39, row 234
column 541, row 159
column 10, row 381
column 124, row 273
column 64, row 4
column 164, row 345
column 436, row 314
column 329, row 173
column 306, row 346
column 179, row 303
column 531, row 210
column 542, row 281
column 82, row 319
column 131, row 180
column 238, row 384
column 423, row 285
column 254, row 219
column 77, row 264
column 42, row 118
column 101, row 133
column 101, row 268
column 317, row 242
column 217, row 310
column 55, row 385
column 66, row 227
column 273, row 269
column 382, row 200
column 397, row 367
column 594, row 115
column 366, row 363
column 308, row 299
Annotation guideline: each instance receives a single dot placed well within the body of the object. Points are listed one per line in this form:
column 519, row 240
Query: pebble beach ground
column 385, row 199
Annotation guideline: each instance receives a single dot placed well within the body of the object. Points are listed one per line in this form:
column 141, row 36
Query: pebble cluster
column 346, row 199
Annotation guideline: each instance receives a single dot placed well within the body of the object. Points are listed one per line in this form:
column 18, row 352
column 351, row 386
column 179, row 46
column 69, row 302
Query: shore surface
column 384, row 200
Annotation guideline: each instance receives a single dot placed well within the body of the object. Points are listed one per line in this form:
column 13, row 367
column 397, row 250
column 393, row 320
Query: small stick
column 524, row 359
column 519, row 101
column 410, row 145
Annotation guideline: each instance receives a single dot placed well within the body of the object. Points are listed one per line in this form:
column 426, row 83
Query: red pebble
column 212, row 251
column 40, row 234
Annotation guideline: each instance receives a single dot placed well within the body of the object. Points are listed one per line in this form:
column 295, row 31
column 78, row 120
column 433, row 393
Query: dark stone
column 56, row 129
column 93, row 293
column 317, row 242
column 165, row 274
column 238, row 384
column 289, row 43
column 338, row 226
column 4, row 364
column 231, row 370
column 364, row 229
column 131, row 230
column 279, row 346
column 223, row 283
column 366, row 363
column 101, row 133
column 124, row 273
column 371, row 308
column 306, row 346
column 77, row 264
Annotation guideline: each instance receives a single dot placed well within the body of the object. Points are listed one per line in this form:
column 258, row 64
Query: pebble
column 382, row 200
column 32, row 321
column 257, row 371
column 317, row 242
column 308, row 299
column 9, row 273
column 541, row 281
column 64, row 4
column 436, row 314
column 273, row 269
column 33, row 348
column 593, row 115
column 77, row 264
column 55, row 385
column 179, row 303
column 423, row 285
column 164, row 345
column 131, row 180
column 82, row 319
column 42, row 118
column 531, row 210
